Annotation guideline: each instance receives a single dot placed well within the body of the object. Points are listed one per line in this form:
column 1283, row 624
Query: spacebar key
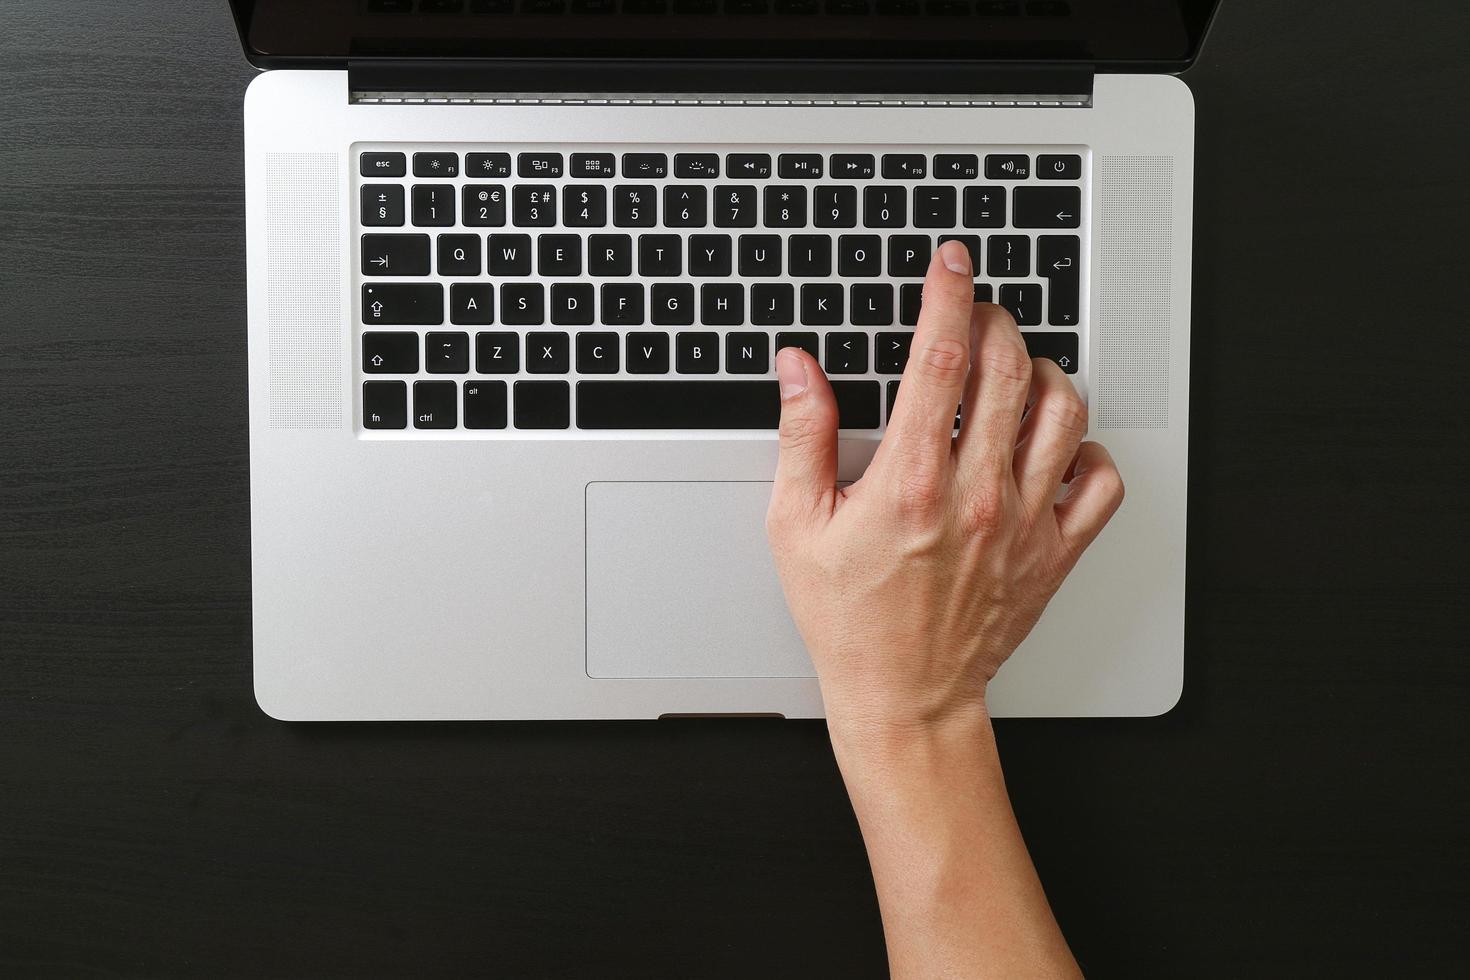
column 708, row 404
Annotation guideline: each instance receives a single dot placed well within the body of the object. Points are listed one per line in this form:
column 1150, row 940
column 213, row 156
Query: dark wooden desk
column 1302, row 813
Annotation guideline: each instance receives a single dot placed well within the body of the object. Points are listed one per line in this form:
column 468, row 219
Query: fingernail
column 956, row 257
column 790, row 373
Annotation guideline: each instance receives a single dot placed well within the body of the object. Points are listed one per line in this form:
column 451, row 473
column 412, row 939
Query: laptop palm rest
column 680, row 583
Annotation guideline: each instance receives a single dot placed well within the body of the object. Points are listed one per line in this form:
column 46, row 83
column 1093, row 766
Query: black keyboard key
column 847, row 353
column 696, row 166
column 857, row 404
column 433, row 205
column 934, row 207
column 395, row 255
column 459, row 255
column 1065, row 166
column 908, row 256
column 1058, row 257
column 648, row 353
column 660, row 256
column 984, row 293
column 594, row 165
column 645, row 166
column 1048, row 207
column 446, row 353
column 403, row 303
column 1023, row 301
column 835, row 207
column 571, row 304
column 893, row 396
column 634, row 206
column 1010, row 256
column 559, row 255
column 884, row 207
column 904, row 166
column 1007, row 166
column 533, row 205
column 484, row 404
column 807, row 340
column 1058, row 347
column 484, row 205
column 985, row 207
column 622, row 304
column 472, row 303
column 956, row 166
column 541, row 165
column 785, row 206
column 497, row 352
column 872, row 304
column 859, row 255
column 382, row 165
column 747, row 353
column 772, row 304
column 853, row 166
column 390, row 353
column 584, row 205
column 735, row 206
column 384, row 405
column 436, row 164
column 522, row 304
column 483, row 165
column 799, row 166
column 710, row 255
column 610, row 255
column 548, row 353
column 435, row 405
column 891, row 352
column 672, row 304
column 382, row 205
column 711, row 404
column 821, row 303
column 722, row 304
column 910, row 299
column 510, row 255
column 685, row 206
column 697, row 353
column 597, row 353
column 809, row 256
column 972, row 245
column 543, row 404
column 748, row 166
column 760, row 255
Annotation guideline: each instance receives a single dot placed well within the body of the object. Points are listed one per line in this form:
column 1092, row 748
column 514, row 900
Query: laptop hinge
column 858, row 83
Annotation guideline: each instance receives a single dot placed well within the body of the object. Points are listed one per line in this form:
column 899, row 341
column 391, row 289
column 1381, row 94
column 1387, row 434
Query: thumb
column 806, row 469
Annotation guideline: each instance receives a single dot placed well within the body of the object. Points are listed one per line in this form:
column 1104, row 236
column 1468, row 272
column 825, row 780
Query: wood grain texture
column 1302, row 813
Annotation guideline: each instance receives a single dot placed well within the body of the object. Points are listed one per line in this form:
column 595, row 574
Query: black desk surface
column 1301, row 813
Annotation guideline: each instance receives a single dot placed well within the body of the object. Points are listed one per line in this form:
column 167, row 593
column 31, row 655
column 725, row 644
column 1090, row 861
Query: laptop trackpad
column 680, row 584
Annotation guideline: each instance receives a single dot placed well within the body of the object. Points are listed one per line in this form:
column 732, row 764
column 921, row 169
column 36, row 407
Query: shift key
column 398, row 303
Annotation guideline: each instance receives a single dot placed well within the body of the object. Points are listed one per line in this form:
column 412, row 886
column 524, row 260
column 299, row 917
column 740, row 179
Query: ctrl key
column 384, row 405
column 434, row 404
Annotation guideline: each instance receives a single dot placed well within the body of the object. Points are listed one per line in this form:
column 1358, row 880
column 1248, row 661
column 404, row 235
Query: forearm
column 957, row 890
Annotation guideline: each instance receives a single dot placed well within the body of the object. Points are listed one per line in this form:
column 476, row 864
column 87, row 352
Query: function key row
column 724, row 206
column 706, row 166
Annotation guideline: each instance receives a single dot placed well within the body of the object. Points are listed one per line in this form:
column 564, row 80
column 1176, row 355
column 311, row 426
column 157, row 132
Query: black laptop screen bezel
column 1194, row 14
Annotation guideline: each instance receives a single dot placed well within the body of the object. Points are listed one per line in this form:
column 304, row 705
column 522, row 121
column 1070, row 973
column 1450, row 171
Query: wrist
column 887, row 751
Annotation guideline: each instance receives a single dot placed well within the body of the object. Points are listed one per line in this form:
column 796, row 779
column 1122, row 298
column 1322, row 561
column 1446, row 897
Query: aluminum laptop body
column 550, row 535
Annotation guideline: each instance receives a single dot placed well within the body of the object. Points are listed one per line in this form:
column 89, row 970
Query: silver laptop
column 518, row 270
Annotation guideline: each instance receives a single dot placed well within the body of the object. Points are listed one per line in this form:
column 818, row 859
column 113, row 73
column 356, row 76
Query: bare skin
column 911, row 588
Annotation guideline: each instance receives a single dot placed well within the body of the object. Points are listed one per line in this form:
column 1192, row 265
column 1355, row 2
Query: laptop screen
column 1105, row 33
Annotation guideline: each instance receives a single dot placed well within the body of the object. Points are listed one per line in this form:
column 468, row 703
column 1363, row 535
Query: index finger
column 921, row 425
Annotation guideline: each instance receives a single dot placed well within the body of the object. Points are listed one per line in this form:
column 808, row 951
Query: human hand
column 912, row 586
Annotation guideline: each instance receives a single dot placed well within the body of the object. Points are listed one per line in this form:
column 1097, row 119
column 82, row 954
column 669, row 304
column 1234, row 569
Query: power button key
column 1067, row 166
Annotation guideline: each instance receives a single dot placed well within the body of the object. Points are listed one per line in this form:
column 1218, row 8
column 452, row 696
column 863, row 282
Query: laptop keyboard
column 597, row 289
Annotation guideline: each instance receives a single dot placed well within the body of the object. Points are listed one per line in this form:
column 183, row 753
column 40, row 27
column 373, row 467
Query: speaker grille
column 1135, row 288
column 304, row 271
